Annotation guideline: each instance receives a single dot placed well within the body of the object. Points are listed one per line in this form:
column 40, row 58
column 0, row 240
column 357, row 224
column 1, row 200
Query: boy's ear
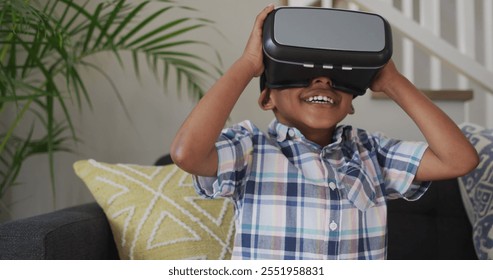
column 351, row 110
column 264, row 100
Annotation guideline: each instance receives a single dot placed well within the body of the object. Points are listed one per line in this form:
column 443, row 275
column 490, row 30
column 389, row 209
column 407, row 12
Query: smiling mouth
column 319, row 99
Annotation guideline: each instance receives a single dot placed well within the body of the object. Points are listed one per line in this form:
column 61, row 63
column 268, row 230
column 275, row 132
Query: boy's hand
column 253, row 53
column 385, row 77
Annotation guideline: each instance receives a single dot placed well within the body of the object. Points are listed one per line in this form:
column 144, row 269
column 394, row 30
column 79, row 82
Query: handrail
column 431, row 43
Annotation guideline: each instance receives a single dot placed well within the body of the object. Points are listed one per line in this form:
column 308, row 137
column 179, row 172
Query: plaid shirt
column 297, row 200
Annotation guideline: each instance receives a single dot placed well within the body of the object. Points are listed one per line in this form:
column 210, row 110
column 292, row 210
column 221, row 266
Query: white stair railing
column 461, row 58
column 428, row 19
column 488, row 46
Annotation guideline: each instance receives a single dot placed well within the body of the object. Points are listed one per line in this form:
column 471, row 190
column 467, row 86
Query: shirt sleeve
column 234, row 148
column 399, row 161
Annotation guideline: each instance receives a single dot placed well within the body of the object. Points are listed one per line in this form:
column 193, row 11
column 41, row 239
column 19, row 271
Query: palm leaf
column 108, row 23
column 124, row 24
column 141, row 26
column 156, row 31
column 45, row 42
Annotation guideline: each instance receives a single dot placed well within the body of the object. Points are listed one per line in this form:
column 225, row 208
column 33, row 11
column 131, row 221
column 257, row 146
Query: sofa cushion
column 155, row 213
column 477, row 190
column 433, row 227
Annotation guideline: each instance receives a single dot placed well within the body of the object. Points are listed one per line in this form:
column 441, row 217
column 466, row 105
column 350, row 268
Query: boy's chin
column 321, row 121
column 312, row 121
column 319, row 124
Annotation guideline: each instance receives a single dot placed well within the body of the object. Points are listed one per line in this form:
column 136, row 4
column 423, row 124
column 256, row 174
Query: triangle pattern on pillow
column 168, row 229
column 206, row 206
column 155, row 213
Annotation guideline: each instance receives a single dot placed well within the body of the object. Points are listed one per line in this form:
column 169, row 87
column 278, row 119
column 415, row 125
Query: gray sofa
column 76, row 233
column 434, row 227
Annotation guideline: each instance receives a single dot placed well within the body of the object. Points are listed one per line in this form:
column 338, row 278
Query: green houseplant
column 43, row 44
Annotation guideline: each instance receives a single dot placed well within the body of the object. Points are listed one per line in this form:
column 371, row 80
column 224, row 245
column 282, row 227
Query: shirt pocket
column 357, row 187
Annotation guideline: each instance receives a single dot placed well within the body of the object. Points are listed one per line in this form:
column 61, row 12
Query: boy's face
column 316, row 107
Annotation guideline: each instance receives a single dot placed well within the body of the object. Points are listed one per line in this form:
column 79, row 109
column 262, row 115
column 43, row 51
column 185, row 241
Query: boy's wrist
column 396, row 85
column 249, row 67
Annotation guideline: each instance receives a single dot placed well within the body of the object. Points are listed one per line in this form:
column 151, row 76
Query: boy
column 312, row 189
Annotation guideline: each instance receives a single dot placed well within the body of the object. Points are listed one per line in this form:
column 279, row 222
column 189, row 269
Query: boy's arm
column 193, row 148
column 449, row 153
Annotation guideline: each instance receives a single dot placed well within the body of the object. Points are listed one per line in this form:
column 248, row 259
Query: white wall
column 156, row 115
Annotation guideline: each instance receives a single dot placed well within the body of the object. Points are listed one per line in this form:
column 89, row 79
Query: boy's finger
column 263, row 14
column 270, row 7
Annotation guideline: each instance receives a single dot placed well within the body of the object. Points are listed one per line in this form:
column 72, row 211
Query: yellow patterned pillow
column 154, row 212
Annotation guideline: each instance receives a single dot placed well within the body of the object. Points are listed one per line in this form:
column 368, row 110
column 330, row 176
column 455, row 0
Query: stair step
column 445, row 94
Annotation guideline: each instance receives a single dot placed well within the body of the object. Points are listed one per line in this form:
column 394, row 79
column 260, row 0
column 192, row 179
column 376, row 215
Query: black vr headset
column 300, row 44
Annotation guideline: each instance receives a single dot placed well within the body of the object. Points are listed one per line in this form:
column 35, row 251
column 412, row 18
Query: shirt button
column 332, row 185
column 333, row 226
column 291, row 133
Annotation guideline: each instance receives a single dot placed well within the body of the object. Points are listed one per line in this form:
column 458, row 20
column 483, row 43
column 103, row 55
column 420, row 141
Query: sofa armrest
column 80, row 232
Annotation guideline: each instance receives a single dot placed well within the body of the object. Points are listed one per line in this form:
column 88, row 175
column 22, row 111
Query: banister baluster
column 327, row 3
column 465, row 33
column 407, row 44
column 465, row 42
column 301, row 2
column 488, row 54
column 430, row 18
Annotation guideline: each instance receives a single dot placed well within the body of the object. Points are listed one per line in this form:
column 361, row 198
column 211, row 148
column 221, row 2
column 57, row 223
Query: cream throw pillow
column 154, row 212
column 477, row 190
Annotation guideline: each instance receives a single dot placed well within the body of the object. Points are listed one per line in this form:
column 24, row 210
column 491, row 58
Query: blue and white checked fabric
column 297, row 200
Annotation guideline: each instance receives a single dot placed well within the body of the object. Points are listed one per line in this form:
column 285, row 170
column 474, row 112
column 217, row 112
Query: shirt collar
column 282, row 132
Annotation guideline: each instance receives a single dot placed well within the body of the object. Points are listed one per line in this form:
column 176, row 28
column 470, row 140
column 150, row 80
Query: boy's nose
column 322, row 80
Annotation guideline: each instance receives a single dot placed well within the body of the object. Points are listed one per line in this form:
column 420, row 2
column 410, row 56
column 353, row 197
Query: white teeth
column 320, row 99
